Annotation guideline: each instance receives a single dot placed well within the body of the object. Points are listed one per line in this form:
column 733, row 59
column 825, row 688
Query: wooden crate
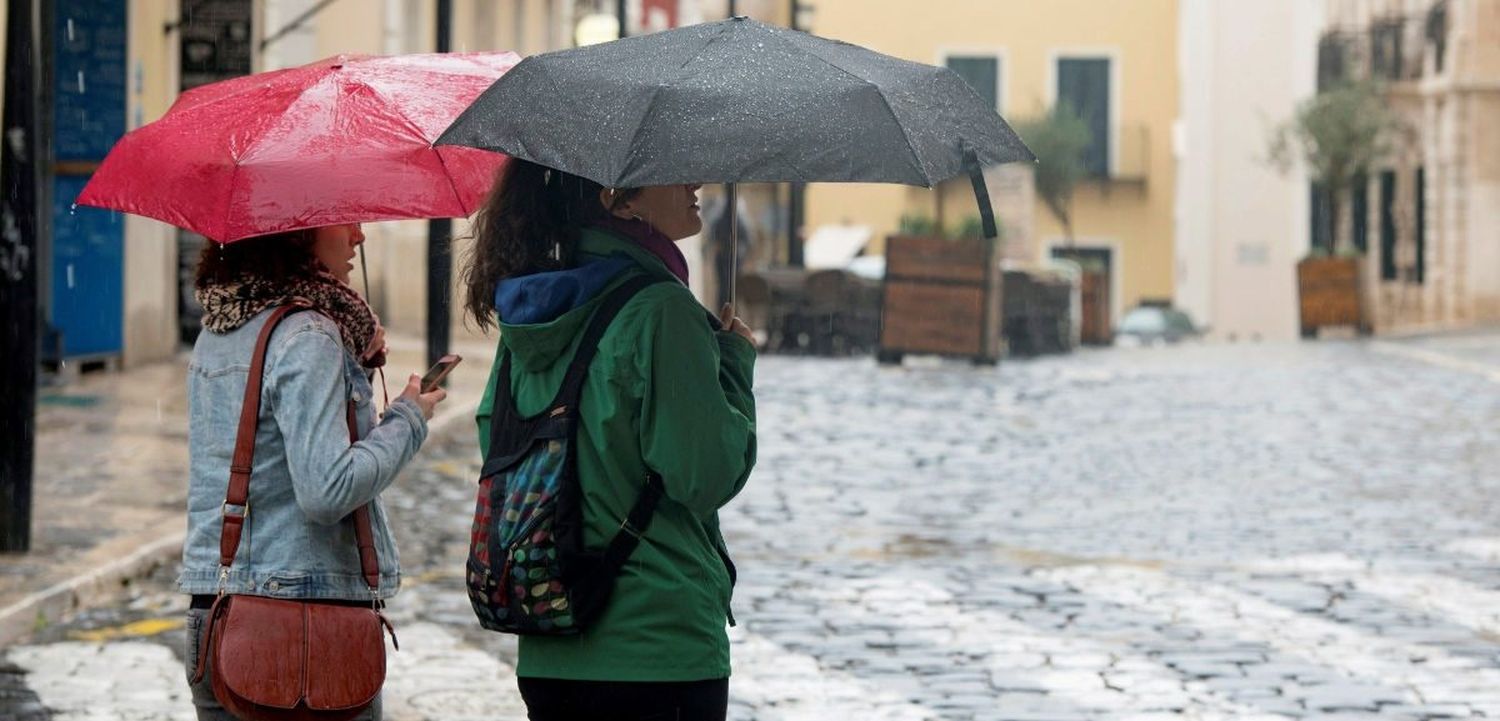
column 1329, row 294
column 940, row 297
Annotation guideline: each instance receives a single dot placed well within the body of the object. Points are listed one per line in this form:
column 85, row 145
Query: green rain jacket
column 666, row 392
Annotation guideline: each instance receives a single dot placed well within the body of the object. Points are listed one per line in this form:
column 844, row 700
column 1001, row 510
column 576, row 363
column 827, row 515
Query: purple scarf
column 651, row 239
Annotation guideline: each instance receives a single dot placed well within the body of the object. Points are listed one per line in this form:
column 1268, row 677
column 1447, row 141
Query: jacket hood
column 542, row 314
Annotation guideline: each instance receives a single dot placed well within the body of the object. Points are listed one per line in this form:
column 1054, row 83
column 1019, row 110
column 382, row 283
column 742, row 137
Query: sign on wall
column 215, row 41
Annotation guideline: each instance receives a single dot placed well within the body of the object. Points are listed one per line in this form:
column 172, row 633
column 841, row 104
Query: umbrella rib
column 651, row 104
column 397, row 111
column 457, row 196
column 812, row 51
column 234, row 176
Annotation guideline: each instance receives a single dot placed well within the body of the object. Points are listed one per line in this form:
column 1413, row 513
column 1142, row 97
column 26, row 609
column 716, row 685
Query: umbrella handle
column 364, row 271
column 981, row 193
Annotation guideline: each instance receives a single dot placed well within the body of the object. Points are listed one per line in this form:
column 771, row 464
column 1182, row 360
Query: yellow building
column 1116, row 62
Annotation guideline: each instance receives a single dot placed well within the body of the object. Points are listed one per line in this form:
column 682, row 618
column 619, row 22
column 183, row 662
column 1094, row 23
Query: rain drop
column 70, row 30
column 73, row 209
column 81, row 89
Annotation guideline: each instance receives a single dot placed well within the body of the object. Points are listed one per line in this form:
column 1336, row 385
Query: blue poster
column 88, row 279
column 88, row 259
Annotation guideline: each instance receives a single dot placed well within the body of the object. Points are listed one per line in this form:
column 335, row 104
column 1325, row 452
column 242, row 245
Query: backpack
column 528, row 571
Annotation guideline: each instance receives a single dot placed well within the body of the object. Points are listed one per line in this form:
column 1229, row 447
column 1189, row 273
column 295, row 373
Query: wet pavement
column 1271, row 531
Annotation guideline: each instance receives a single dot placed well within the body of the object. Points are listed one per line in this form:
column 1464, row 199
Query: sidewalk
column 111, row 479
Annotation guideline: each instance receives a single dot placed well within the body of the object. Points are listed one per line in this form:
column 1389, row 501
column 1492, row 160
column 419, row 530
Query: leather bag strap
column 369, row 561
column 238, row 495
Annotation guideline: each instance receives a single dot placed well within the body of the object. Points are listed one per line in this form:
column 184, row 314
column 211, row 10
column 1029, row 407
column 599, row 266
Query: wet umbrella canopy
column 739, row 101
column 342, row 140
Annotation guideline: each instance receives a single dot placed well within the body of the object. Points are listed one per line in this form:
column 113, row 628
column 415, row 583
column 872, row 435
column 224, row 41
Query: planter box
column 1330, row 294
column 940, row 297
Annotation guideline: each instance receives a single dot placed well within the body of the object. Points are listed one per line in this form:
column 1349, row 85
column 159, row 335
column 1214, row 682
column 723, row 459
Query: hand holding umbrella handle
column 730, row 323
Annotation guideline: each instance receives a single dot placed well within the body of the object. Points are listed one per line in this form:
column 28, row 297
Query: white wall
column 1192, row 143
column 1242, row 225
column 150, row 329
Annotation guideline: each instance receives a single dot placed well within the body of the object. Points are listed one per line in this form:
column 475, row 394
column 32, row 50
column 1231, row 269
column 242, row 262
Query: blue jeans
column 204, row 703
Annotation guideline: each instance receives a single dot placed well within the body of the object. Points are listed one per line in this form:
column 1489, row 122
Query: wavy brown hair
column 279, row 256
column 529, row 224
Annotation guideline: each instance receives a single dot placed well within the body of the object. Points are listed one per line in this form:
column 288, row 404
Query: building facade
column 1242, row 224
column 1428, row 217
column 1115, row 63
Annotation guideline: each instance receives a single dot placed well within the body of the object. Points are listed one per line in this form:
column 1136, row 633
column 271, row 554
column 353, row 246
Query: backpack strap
column 634, row 526
column 563, row 409
column 572, row 384
column 557, row 423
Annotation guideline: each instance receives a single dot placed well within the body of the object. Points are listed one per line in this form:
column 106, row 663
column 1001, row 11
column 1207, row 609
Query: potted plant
column 941, row 293
column 1338, row 136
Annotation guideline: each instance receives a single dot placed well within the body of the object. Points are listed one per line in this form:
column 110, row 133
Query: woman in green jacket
column 667, row 392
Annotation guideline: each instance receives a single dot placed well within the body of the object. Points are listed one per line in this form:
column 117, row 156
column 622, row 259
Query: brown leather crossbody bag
column 273, row 659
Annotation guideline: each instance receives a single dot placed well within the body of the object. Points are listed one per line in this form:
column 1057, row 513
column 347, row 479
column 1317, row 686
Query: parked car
column 1154, row 325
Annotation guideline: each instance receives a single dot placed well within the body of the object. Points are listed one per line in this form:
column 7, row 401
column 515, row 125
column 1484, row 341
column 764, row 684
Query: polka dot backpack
column 528, row 571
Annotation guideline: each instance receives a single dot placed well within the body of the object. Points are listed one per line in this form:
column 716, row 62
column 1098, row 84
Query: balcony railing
column 1391, row 48
column 1130, row 157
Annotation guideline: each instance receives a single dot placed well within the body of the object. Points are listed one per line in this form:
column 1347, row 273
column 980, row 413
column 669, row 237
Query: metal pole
column 796, row 202
column 623, row 14
column 727, row 294
column 731, row 195
column 19, row 245
column 439, row 235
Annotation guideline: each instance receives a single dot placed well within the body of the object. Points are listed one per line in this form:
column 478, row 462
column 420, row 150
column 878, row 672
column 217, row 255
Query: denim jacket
column 307, row 479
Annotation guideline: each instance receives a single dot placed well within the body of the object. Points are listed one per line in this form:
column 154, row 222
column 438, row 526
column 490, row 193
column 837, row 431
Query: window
column 1385, row 50
column 1437, row 33
column 1331, row 71
column 1388, row 225
column 1419, row 272
column 981, row 73
column 1083, row 85
column 1360, row 212
column 1321, row 218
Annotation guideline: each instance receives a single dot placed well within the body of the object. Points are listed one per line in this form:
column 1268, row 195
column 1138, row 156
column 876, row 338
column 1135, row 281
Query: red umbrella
column 343, row 140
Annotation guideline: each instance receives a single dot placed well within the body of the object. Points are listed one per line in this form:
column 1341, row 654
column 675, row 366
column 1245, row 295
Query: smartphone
column 439, row 371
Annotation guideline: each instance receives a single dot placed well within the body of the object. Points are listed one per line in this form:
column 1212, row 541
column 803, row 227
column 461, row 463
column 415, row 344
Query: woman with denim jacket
column 668, row 391
column 308, row 479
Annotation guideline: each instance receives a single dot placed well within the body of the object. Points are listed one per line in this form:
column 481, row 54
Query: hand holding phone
column 439, row 370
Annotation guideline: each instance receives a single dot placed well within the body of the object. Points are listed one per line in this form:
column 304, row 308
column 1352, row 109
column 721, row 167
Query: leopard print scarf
column 229, row 306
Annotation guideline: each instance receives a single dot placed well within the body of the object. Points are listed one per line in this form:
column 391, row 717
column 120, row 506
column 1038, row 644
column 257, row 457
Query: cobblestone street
column 1278, row 531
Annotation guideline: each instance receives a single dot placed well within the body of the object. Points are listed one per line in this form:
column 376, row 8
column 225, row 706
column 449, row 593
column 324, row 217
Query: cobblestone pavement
column 1302, row 531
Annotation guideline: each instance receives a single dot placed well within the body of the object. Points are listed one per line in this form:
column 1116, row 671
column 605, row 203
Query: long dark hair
column 529, row 224
column 279, row 256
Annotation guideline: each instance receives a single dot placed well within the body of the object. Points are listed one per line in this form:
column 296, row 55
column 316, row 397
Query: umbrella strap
column 981, row 192
column 364, row 273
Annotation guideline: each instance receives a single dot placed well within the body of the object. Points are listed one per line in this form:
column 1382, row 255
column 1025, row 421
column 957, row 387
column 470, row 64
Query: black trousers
column 550, row 699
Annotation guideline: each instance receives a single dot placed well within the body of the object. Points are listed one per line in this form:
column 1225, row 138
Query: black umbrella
column 740, row 101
